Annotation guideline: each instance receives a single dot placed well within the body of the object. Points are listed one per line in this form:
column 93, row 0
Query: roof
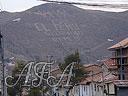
column 110, row 63
column 92, row 67
column 96, row 75
column 123, row 43
column 121, row 83
column 93, row 78
column 110, row 78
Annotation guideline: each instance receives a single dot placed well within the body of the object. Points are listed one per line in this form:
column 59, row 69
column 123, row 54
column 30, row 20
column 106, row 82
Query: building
column 61, row 89
column 90, row 86
column 120, row 58
column 111, row 71
column 99, row 82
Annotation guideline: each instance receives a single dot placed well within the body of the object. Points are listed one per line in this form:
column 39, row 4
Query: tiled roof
column 96, row 74
column 93, row 78
column 121, row 83
column 110, row 77
column 110, row 63
column 92, row 67
column 123, row 43
column 99, row 78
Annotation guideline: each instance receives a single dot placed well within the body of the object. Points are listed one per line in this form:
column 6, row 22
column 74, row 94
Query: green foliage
column 12, row 91
column 78, row 70
column 17, row 90
column 69, row 59
column 79, row 73
column 35, row 92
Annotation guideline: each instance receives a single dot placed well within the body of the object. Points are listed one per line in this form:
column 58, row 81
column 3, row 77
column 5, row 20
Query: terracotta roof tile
column 123, row 43
column 92, row 69
column 97, row 75
column 110, row 63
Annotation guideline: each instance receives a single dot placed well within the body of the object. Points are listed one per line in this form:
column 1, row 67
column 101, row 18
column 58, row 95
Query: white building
column 99, row 82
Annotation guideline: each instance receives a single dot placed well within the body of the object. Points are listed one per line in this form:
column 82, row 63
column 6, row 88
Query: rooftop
column 96, row 74
column 123, row 43
column 110, row 63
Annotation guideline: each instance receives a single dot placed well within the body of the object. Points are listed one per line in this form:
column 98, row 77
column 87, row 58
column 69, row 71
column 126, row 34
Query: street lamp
column 121, row 61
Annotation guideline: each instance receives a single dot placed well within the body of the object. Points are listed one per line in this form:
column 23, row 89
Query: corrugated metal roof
column 123, row 43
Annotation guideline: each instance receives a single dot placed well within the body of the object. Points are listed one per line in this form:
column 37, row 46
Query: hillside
column 59, row 30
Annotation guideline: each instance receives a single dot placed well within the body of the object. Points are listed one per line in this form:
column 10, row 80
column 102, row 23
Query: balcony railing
column 118, row 55
column 118, row 64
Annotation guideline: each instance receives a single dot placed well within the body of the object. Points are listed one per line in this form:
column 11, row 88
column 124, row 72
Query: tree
column 78, row 69
column 13, row 91
column 18, row 88
column 35, row 91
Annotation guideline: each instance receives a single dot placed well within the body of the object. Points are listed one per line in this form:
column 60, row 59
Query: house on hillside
column 97, row 83
column 120, row 58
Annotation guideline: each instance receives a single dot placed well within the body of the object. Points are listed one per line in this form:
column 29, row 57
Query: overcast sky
column 18, row 5
column 21, row 5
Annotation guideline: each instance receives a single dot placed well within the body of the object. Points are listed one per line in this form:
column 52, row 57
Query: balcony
column 118, row 54
column 126, row 64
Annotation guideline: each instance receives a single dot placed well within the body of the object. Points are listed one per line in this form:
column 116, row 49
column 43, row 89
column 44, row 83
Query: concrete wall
column 92, row 89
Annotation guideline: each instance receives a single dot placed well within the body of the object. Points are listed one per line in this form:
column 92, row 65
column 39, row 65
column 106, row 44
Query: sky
column 18, row 5
column 21, row 5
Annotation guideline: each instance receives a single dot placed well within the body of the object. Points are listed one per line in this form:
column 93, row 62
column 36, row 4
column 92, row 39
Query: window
column 123, row 68
column 98, row 88
column 123, row 77
column 124, row 61
column 84, row 88
column 86, row 91
column 66, row 93
column 95, row 87
column 119, row 77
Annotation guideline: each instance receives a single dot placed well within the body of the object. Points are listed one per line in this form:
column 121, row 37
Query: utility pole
column 49, row 60
column 2, row 66
column 121, row 63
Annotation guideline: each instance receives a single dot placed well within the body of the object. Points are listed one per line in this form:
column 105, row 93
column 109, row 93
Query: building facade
column 120, row 57
column 99, row 82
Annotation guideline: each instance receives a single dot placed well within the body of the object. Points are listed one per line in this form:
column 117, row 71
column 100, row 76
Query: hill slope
column 60, row 29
